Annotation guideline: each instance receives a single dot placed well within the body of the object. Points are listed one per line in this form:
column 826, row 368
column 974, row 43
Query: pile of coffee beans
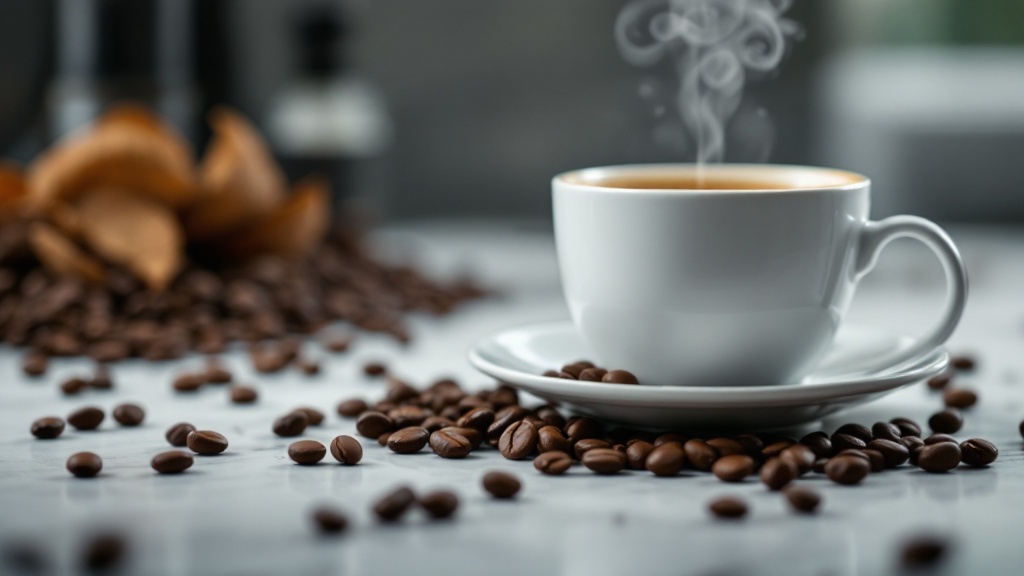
column 586, row 371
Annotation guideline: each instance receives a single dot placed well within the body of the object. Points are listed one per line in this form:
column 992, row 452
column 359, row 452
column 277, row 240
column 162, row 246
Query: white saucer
column 847, row 376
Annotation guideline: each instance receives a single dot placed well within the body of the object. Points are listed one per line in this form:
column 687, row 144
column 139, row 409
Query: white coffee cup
column 743, row 286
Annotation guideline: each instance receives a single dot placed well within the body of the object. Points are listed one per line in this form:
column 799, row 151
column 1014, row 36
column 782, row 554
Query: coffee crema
column 719, row 177
column 658, row 182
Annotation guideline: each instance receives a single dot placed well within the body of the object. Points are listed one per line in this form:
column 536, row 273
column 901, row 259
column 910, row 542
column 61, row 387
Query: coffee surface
column 664, row 182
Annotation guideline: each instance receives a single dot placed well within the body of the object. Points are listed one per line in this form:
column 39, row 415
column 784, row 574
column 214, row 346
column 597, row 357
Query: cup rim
column 585, row 178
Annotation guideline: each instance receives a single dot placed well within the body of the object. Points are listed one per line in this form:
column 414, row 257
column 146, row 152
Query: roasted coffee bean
column 502, row 420
column 352, row 408
column 664, row 460
column 435, row 423
column 726, row 507
column 752, row 445
column 922, row 552
column 842, row 442
column 383, row 439
column 575, row 368
column 733, row 468
column 802, row 500
column 672, row 437
column 552, row 463
column 637, row 453
column 912, row 443
column 949, row 421
column 330, row 520
column 346, row 450
column 699, row 454
column 291, row 424
column 886, row 431
column 907, row 427
column 88, row 418
column 800, row 456
column 857, row 454
column 306, row 452
column 478, row 418
column 938, row 382
column 581, row 427
column 777, row 473
column 171, row 462
column 268, row 360
column 959, row 398
column 819, row 443
column 518, row 441
column 963, row 362
column 337, row 343
column 501, row 485
column 440, row 504
column 84, row 464
column 307, row 366
column 399, row 391
column 188, row 382
column 587, row 444
column 855, row 430
column 47, row 428
column 503, row 396
column 978, row 452
column 35, row 363
column 394, row 504
column 550, row 439
column 619, row 377
column 101, row 379
column 604, row 460
column 103, row 553
column 73, row 386
column 177, row 435
column 551, row 417
column 206, row 442
column 129, row 415
column 774, row 449
column 408, row 440
column 893, row 452
column 243, row 394
column 847, row 469
column 592, row 374
column 940, row 457
column 313, row 416
column 375, row 368
column 726, row 446
column 876, row 460
column 447, row 443
column 217, row 374
column 819, row 465
column 936, row 438
column 474, row 436
column 372, row 424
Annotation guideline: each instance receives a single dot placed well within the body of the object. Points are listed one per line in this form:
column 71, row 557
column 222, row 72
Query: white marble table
column 246, row 512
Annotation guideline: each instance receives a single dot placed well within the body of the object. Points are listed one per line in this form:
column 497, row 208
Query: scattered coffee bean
column 733, row 468
column 664, row 460
column 329, row 520
column 752, row 445
column 774, row 449
column 291, row 424
column 35, row 363
column 217, row 374
column 842, row 442
column 101, row 379
column 819, row 443
column 394, row 504
column 48, row 428
column 587, row 444
column 73, row 386
column 375, row 368
column 501, row 485
column 819, row 465
column 959, row 398
column 337, row 343
column 922, row 552
column 637, row 453
column 371, row 424
column 478, row 419
column 552, row 463
column 88, row 418
column 206, row 442
column 447, row 443
column 502, row 420
column 727, row 507
column 949, row 421
column 978, row 452
column 435, row 423
column 307, row 366
column 177, row 435
column 306, row 452
column 352, row 408
column 856, row 430
column 912, row 443
column 847, row 469
column 604, row 460
column 346, row 450
column 962, row 362
column 243, row 394
column 876, row 459
column 592, row 374
column 619, row 377
column 936, row 438
column 941, row 457
column 893, row 452
column 518, row 441
column 886, row 431
column 699, row 454
column 802, row 500
column 103, row 553
column 188, row 382
column 550, row 439
column 171, row 462
column 726, row 446
column 777, row 473
column 129, row 415
column 440, row 504
column 84, row 464
column 408, row 440
column 580, row 427
column 800, row 456
column 313, row 416
column 938, row 382
column 907, row 426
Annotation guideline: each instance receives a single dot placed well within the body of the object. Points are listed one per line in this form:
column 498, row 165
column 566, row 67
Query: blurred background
column 466, row 108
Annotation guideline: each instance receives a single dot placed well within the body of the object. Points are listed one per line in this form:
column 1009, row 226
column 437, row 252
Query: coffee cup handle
column 873, row 238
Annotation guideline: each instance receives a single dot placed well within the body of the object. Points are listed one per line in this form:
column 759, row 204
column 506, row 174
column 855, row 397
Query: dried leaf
column 133, row 231
column 295, row 229
column 239, row 180
column 58, row 253
column 127, row 148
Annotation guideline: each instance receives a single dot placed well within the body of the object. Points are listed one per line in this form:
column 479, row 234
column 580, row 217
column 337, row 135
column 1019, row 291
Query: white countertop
column 246, row 511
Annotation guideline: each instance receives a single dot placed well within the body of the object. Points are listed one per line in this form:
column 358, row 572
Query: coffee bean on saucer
column 819, row 443
column 963, row 362
column 886, row 431
column 907, row 426
column 893, row 452
column 978, row 452
column 726, row 507
column 592, row 374
column 959, row 398
column 699, row 454
column 440, row 504
column 291, row 424
column 949, row 421
column 102, row 553
column 575, row 368
column 637, row 453
column 306, row 452
column 941, row 457
column 938, row 382
column 855, row 430
column 329, row 520
column 552, row 463
column 847, row 469
column 733, row 468
column 346, row 450
column 84, row 464
column 73, row 386
column 314, row 416
column 206, row 442
column 35, row 363
column 171, row 462
column 664, row 460
column 129, row 415
column 518, row 441
column 501, row 485
column 801, row 499
column 408, row 440
column 448, row 443
column 604, row 460
column 777, row 473
column 619, row 377
column 550, row 374
column 374, row 368
column 371, row 424
column 177, row 435
column 88, row 418
column 352, row 408
column 922, row 552
column 393, row 505
column 842, row 442
column 48, row 428
column 243, row 394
